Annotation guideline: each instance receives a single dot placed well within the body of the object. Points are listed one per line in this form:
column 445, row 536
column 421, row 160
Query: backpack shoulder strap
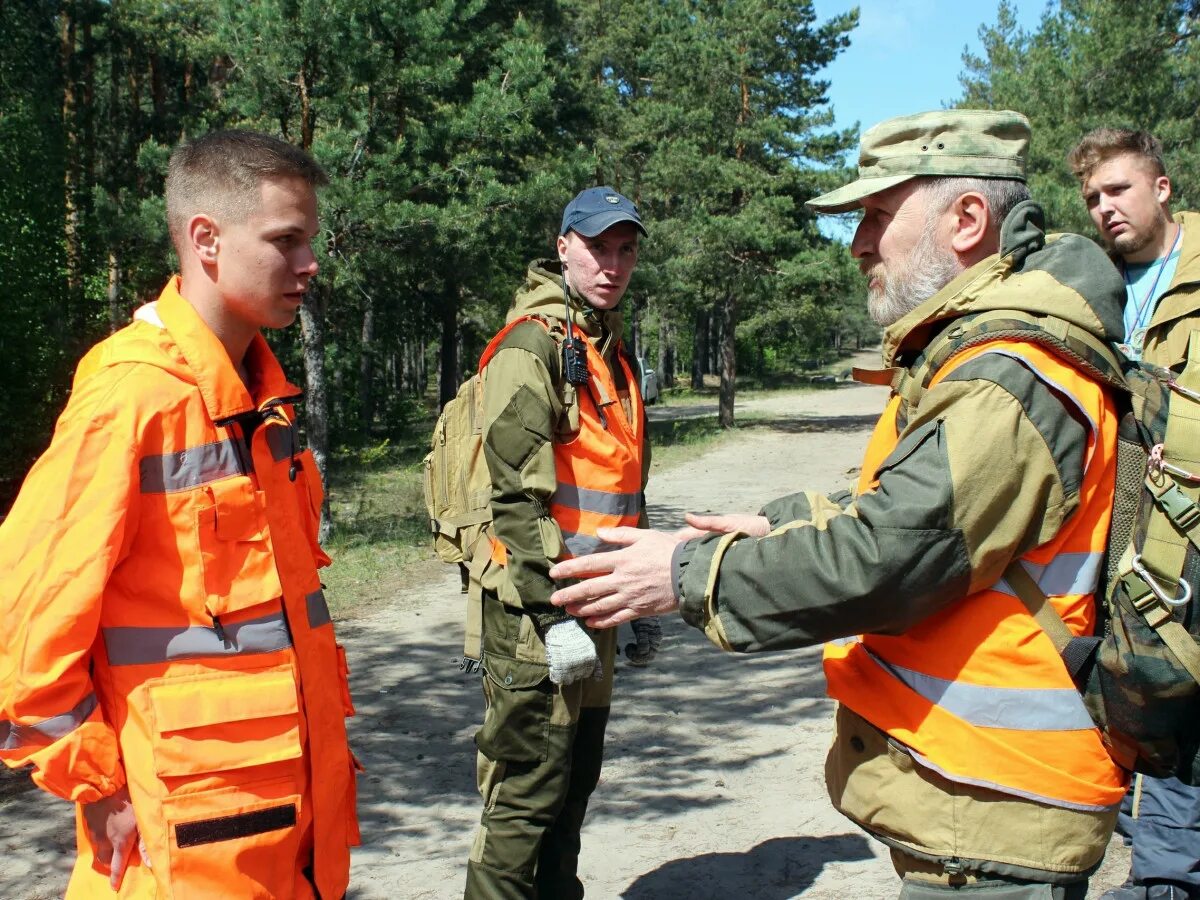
column 1078, row 346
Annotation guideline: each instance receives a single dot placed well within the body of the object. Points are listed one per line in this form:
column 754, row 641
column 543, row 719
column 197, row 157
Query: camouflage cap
column 975, row 143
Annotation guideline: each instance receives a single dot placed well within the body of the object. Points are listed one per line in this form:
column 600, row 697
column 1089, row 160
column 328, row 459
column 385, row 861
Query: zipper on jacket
column 220, row 630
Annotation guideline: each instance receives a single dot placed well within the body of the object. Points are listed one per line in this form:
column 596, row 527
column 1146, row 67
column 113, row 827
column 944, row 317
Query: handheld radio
column 574, row 352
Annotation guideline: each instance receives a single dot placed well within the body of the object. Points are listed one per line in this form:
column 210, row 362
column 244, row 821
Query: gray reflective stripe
column 583, row 544
column 1005, row 789
column 1068, row 573
column 604, row 502
column 318, row 609
column 134, row 646
column 1015, row 709
column 14, row 735
column 191, row 468
column 283, row 441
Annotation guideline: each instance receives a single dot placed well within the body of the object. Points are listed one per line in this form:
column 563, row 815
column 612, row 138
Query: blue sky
column 905, row 56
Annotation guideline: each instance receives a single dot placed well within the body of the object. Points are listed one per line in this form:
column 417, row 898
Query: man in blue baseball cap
column 564, row 436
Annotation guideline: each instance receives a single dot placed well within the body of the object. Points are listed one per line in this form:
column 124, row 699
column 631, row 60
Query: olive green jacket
column 523, row 411
column 1178, row 310
column 1000, row 475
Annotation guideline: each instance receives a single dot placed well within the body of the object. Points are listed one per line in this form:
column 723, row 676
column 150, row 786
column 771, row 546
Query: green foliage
column 453, row 132
column 1093, row 63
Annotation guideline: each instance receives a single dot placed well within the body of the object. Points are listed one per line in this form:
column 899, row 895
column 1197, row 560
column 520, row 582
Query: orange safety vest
column 977, row 691
column 599, row 471
column 195, row 628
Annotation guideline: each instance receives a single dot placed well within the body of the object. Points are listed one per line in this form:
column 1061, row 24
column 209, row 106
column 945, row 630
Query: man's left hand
column 620, row 585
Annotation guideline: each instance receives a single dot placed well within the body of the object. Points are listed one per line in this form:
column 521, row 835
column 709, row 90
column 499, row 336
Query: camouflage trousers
column 540, row 750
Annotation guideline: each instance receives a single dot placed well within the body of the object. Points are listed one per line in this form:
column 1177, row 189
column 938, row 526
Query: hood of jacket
column 542, row 294
column 1064, row 276
column 169, row 334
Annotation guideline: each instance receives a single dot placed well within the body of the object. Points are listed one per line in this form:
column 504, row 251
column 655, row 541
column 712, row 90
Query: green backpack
column 1140, row 673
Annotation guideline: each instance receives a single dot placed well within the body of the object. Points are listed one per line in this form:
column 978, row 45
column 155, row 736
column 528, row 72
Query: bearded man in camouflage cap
column 961, row 741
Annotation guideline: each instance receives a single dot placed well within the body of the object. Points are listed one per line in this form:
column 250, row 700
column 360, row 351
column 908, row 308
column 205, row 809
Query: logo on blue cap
column 596, row 210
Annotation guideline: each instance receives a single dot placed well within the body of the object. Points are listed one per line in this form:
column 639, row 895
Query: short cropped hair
column 220, row 173
column 1001, row 194
column 1102, row 144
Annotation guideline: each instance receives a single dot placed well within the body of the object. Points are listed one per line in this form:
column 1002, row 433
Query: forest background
column 455, row 130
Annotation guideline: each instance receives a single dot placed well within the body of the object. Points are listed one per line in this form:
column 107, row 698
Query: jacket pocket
column 310, row 497
column 235, row 547
column 234, row 842
column 224, row 721
column 227, row 749
column 516, row 725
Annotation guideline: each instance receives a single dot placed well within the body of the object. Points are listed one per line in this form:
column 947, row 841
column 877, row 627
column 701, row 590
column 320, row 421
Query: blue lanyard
column 1145, row 306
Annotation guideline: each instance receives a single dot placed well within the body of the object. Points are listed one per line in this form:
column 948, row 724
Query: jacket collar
column 216, row 377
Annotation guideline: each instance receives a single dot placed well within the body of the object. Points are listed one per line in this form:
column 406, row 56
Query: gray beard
column 929, row 269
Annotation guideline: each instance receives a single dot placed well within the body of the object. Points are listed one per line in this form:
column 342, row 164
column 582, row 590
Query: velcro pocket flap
column 210, row 723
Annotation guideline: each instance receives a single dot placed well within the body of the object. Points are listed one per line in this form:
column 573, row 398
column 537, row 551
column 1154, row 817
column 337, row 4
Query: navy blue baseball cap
column 597, row 209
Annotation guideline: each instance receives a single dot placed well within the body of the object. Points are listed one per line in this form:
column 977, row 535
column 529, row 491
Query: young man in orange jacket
column 169, row 663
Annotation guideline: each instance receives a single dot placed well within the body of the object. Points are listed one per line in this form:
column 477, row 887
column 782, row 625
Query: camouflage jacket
column 522, row 411
column 1178, row 310
column 882, row 562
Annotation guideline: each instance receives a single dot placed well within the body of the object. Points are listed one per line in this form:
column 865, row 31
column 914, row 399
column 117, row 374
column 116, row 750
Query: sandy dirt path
column 712, row 785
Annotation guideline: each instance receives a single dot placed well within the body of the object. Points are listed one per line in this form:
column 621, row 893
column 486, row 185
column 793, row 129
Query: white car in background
column 649, row 382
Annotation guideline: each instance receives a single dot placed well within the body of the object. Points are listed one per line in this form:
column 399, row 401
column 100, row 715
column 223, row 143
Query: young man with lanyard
column 565, row 442
column 1127, row 192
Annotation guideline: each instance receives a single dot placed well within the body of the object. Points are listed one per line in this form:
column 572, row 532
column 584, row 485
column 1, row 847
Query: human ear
column 561, row 244
column 971, row 221
column 203, row 238
column 1162, row 188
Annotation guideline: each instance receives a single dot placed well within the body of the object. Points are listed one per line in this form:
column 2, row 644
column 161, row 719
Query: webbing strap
column 1038, row 604
column 1074, row 650
column 473, row 639
column 1167, row 535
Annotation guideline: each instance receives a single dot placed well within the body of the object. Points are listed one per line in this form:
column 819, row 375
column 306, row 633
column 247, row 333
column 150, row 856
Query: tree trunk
column 728, row 313
column 635, row 329
column 666, row 353
column 366, row 370
column 116, row 315
column 73, row 168
column 448, row 373
column 699, row 349
column 316, row 401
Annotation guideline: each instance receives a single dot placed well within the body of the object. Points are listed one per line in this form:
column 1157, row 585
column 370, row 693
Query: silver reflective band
column 1015, row 709
column 133, row 646
column 284, row 441
column 13, row 735
column 1068, row 573
column 318, row 609
column 190, row 468
column 604, row 502
column 583, row 544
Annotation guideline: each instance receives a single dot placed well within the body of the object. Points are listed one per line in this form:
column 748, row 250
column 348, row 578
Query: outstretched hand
column 620, row 585
column 700, row 524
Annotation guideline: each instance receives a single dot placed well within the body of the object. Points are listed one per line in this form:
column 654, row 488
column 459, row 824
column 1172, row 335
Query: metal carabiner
column 1156, row 588
column 1168, row 377
column 1156, row 465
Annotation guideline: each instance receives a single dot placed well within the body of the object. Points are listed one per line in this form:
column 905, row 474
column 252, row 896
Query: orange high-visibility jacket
column 977, row 691
column 164, row 626
column 599, row 471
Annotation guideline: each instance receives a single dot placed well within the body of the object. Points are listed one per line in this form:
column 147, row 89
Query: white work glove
column 647, row 633
column 570, row 653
